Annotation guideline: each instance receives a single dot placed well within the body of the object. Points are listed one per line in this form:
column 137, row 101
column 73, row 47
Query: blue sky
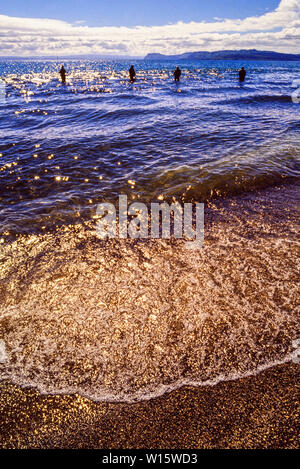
column 136, row 28
column 133, row 13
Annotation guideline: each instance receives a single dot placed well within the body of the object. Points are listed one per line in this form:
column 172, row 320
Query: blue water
column 64, row 148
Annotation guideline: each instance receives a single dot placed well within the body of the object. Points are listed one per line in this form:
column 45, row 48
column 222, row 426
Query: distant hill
column 251, row 54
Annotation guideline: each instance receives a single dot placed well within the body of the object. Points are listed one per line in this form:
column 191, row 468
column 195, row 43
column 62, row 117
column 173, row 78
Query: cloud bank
column 278, row 30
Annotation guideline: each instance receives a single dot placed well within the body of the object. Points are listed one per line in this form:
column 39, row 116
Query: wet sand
column 256, row 412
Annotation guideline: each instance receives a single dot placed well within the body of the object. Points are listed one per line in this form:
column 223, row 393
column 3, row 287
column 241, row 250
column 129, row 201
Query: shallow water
column 126, row 320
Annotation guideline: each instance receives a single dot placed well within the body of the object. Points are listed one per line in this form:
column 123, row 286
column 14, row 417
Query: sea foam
column 129, row 320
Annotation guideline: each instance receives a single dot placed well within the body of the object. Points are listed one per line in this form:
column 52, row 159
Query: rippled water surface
column 65, row 148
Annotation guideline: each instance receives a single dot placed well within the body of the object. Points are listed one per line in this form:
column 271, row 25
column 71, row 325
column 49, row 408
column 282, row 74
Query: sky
column 122, row 27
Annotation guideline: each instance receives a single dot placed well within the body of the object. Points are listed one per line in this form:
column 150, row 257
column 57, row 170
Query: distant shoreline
column 228, row 55
column 251, row 54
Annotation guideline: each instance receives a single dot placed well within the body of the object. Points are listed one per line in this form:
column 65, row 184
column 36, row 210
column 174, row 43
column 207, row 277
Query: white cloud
column 278, row 30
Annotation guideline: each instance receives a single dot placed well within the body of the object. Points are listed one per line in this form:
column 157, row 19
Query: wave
column 257, row 99
column 38, row 204
column 126, row 320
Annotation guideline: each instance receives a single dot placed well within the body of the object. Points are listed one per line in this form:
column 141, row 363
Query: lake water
column 65, row 148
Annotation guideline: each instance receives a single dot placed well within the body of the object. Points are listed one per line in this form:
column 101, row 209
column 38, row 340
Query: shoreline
column 65, row 290
column 256, row 412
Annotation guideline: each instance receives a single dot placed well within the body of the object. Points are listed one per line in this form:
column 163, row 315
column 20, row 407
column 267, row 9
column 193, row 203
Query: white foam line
column 3, row 356
column 164, row 389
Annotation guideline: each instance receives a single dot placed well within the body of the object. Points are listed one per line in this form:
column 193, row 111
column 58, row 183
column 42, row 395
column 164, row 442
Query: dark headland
column 251, row 54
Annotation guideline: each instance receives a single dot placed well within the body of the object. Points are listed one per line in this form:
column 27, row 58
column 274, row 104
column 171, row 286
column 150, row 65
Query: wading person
column 242, row 74
column 63, row 73
column 132, row 74
column 177, row 74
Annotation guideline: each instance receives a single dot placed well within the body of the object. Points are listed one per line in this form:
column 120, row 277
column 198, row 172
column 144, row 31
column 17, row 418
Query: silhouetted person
column 132, row 74
column 177, row 74
column 62, row 73
column 242, row 74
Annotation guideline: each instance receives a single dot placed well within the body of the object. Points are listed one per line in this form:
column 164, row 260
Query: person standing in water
column 177, row 74
column 132, row 74
column 62, row 73
column 242, row 74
